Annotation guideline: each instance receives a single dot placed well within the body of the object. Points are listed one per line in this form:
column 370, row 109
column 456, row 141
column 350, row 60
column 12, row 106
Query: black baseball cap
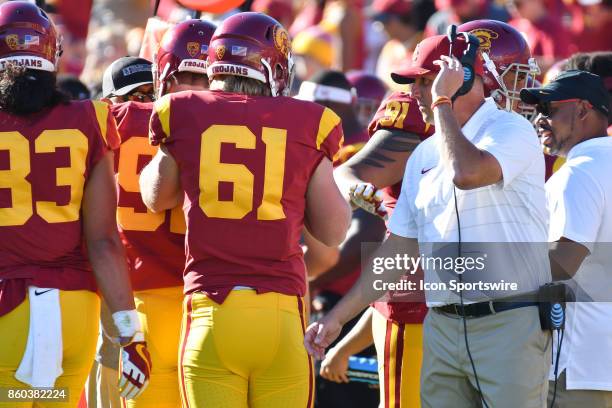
column 572, row 84
column 126, row 74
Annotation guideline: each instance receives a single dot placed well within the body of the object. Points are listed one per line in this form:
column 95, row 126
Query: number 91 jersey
column 45, row 161
column 245, row 164
column 154, row 242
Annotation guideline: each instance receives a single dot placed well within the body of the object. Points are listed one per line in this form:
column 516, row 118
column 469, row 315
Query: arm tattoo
column 390, row 141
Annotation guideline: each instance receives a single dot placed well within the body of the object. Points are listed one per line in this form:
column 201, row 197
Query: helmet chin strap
column 497, row 94
column 271, row 81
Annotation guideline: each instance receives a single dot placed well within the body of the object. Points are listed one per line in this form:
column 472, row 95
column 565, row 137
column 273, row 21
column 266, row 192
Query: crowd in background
column 371, row 35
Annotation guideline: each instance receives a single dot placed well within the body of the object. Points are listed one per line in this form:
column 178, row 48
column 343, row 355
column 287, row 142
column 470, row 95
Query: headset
column 467, row 59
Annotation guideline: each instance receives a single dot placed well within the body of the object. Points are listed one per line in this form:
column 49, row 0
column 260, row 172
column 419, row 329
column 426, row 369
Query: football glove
column 369, row 198
column 134, row 367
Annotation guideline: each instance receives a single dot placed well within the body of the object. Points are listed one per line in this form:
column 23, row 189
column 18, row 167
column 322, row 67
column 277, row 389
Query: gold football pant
column 80, row 310
column 399, row 348
column 160, row 314
column 246, row 352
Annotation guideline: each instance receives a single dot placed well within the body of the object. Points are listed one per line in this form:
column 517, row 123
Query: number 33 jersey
column 245, row 163
column 45, row 161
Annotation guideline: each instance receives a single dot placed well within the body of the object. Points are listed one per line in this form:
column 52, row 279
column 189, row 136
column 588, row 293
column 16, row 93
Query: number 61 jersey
column 245, row 163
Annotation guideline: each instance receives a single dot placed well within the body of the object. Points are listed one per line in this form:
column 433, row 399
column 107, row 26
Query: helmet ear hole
column 278, row 71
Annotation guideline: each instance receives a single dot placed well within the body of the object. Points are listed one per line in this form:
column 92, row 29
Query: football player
column 333, row 90
column 371, row 91
column 58, row 235
column 253, row 167
column 155, row 242
column 396, row 329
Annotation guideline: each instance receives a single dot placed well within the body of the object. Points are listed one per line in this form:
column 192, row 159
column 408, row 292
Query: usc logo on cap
column 485, row 36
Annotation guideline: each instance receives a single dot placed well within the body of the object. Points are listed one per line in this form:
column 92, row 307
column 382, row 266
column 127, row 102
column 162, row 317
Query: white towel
column 42, row 360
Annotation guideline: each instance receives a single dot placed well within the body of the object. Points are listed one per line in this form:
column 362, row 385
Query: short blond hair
column 241, row 85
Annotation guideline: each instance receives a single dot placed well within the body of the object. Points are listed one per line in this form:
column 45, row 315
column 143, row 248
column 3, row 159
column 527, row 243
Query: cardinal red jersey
column 245, row 164
column 154, row 242
column 45, row 161
column 399, row 111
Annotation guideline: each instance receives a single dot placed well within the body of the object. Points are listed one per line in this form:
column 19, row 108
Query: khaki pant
column 510, row 351
column 578, row 398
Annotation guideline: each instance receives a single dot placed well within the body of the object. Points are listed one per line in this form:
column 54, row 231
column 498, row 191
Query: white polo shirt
column 511, row 211
column 579, row 198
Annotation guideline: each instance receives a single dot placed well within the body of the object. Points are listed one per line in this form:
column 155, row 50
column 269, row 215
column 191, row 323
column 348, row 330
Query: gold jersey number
column 15, row 177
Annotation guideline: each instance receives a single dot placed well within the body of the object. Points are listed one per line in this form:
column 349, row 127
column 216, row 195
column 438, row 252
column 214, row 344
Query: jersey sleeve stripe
column 329, row 120
column 101, row 109
column 162, row 108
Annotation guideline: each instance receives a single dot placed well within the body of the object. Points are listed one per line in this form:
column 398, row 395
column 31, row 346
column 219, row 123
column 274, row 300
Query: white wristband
column 127, row 322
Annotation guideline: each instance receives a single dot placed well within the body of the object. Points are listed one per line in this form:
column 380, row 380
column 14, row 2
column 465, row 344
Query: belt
column 482, row 309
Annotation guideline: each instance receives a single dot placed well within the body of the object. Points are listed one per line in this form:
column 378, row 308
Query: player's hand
column 369, row 198
column 134, row 367
column 449, row 79
column 335, row 366
column 320, row 335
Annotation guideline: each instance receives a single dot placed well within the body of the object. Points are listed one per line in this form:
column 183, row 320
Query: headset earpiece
column 467, row 59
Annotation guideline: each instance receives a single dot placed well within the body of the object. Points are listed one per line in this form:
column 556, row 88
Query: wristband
column 127, row 323
column 441, row 100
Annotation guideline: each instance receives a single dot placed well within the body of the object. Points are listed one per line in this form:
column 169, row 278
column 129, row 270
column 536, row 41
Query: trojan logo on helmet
column 28, row 37
column 261, row 50
column 183, row 48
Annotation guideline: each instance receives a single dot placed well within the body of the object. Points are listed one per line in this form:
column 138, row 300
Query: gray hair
column 241, row 85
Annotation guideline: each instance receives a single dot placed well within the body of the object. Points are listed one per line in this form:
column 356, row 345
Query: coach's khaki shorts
column 510, row 351
column 578, row 398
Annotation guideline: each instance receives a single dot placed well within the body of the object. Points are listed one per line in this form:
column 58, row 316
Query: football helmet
column 28, row 37
column 508, row 63
column 370, row 90
column 183, row 47
column 253, row 45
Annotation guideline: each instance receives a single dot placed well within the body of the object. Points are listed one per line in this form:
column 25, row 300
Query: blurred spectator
column 71, row 86
column 104, row 45
column 404, row 21
column 371, row 90
column 344, row 20
column 309, row 15
column 462, row 11
column 128, row 79
column 548, row 39
column 592, row 25
column 313, row 51
column 281, row 10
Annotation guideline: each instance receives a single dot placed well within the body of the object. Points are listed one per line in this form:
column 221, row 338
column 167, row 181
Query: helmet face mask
column 508, row 63
column 515, row 77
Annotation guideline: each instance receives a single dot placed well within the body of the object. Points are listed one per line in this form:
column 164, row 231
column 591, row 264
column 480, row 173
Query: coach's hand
column 320, row 335
column 134, row 367
column 449, row 79
column 335, row 366
column 369, row 198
